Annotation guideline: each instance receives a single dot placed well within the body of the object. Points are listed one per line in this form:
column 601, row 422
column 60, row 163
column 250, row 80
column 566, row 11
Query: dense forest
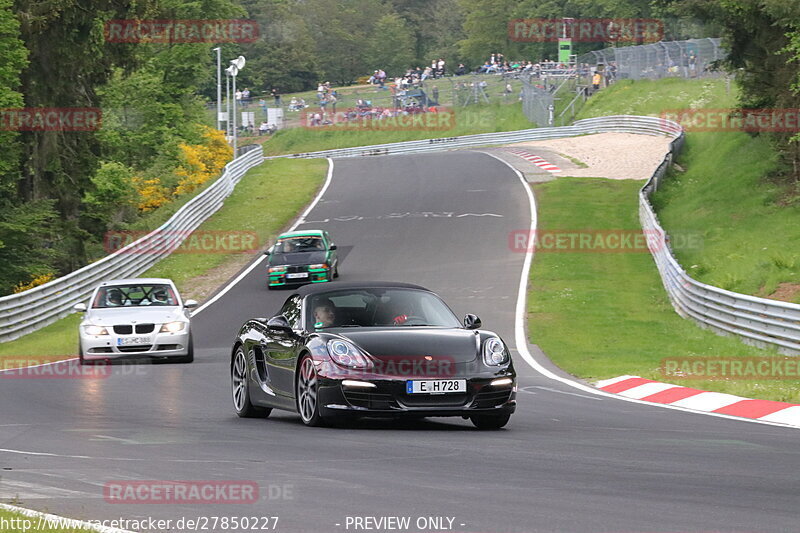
column 60, row 191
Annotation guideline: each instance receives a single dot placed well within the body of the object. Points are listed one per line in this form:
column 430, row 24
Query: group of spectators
column 364, row 110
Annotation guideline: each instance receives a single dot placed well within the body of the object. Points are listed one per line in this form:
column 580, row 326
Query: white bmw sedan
column 136, row 318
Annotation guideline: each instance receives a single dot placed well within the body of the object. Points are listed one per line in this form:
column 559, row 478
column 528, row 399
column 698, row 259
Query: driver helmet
column 160, row 296
column 114, row 297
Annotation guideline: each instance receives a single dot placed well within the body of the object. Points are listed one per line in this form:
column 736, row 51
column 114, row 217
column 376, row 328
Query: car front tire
column 189, row 357
column 489, row 422
column 307, row 393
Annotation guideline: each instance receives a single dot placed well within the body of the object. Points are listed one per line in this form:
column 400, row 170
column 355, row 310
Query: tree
column 390, row 45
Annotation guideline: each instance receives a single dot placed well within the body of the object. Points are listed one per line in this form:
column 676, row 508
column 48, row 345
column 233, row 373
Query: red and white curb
column 535, row 159
column 648, row 390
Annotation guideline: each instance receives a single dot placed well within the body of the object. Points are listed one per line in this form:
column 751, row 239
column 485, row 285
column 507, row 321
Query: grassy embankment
column 741, row 240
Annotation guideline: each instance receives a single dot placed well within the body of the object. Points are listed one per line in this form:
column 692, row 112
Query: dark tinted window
column 291, row 310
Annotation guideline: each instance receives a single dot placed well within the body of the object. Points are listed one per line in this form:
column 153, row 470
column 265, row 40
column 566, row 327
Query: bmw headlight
column 277, row 269
column 318, row 267
column 494, row 352
column 172, row 327
column 346, row 354
column 95, row 330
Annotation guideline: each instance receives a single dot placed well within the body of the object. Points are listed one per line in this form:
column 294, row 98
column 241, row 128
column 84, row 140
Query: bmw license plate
column 132, row 341
column 297, row 275
column 436, row 386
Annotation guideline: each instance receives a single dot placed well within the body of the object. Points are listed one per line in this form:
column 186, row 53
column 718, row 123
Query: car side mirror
column 279, row 323
column 190, row 304
column 268, row 251
column 472, row 321
column 81, row 308
column 333, row 247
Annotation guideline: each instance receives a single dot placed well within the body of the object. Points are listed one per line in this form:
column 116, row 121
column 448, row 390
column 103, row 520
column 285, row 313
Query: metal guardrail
column 621, row 123
column 35, row 308
column 758, row 321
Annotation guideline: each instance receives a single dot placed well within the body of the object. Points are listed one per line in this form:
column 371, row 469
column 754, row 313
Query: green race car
column 300, row 257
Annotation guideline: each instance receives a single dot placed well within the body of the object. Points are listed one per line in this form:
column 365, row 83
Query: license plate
column 436, row 386
column 132, row 341
column 297, row 275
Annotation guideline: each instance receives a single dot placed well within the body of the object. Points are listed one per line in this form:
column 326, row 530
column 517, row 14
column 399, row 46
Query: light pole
column 233, row 70
column 219, row 86
column 228, row 131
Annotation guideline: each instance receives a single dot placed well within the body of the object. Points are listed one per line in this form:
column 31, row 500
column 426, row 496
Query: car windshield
column 379, row 307
column 299, row 244
column 135, row 295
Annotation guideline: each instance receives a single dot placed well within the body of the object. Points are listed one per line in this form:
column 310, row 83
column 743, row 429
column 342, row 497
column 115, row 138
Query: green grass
column 22, row 523
column 736, row 232
column 616, row 301
column 649, row 97
column 473, row 119
column 264, row 202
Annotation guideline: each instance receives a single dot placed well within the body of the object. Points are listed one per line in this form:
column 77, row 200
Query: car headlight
column 346, row 354
column 494, row 352
column 95, row 330
column 277, row 269
column 319, row 266
column 172, row 327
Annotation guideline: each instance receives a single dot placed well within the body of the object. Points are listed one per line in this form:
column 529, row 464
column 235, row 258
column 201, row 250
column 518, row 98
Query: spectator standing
column 435, row 94
column 440, row 67
column 597, row 79
column 277, row 96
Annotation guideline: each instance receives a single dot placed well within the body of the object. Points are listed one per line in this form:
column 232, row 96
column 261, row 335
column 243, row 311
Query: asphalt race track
column 568, row 461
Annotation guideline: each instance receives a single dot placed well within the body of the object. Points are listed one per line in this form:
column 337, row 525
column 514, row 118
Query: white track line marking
column 258, row 261
column 36, row 366
column 54, row 520
column 521, row 340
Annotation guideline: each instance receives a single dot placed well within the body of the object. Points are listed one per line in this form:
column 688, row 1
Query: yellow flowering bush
column 201, row 162
column 34, row 282
column 152, row 193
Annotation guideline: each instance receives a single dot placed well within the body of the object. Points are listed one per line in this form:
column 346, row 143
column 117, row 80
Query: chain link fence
column 546, row 101
column 693, row 58
column 295, row 110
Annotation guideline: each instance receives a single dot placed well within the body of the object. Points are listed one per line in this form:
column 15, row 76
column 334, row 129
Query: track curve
column 568, row 461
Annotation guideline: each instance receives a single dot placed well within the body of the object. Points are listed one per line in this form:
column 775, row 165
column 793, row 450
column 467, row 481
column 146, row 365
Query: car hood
column 134, row 315
column 298, row 258
column 456, row 345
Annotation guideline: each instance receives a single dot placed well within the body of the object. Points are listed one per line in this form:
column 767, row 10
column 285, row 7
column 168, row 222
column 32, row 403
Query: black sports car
column 371, row 349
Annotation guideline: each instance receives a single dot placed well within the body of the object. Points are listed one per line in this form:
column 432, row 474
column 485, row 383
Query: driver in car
column 324, row 314
column 113, row 298
column 160, row 297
